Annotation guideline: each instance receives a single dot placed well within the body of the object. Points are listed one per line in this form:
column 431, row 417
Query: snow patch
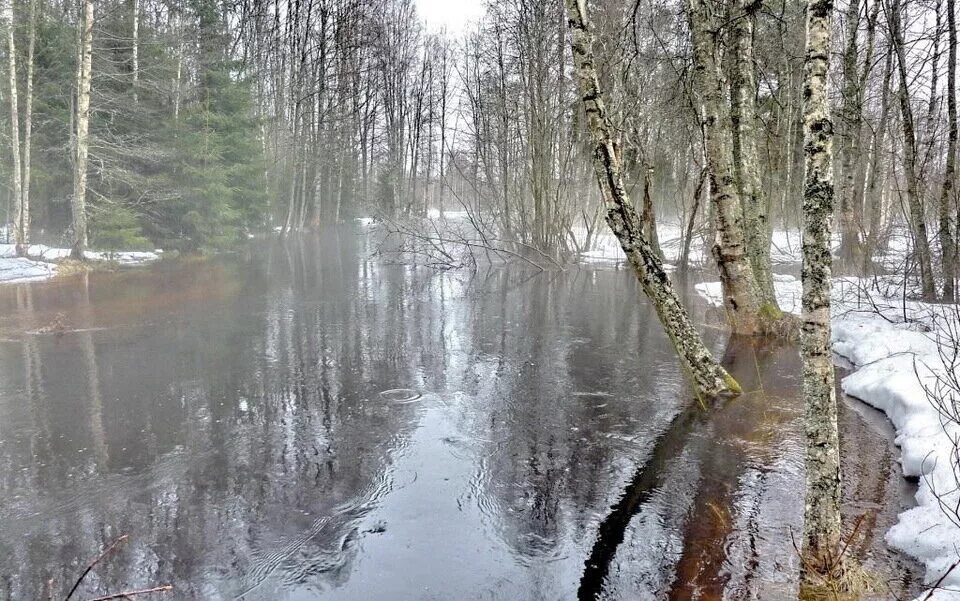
column 39, row 263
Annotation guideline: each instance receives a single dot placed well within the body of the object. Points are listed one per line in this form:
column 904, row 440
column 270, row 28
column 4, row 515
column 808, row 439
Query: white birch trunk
column 135, row 58
column 28, row 126
column 740, row 291
column 707, row 376
column 20, row 217
column 78, row 204
column 822, row 508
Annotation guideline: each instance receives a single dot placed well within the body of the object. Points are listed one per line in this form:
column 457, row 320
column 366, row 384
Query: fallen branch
column 99, row 558
column 146, row 591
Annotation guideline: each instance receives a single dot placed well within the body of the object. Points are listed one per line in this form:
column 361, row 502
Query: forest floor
column 904, row 356
column 44, row 262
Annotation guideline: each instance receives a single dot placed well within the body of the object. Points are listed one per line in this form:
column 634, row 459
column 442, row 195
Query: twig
column 99, row 558
column 936, row 585
column 146, row 591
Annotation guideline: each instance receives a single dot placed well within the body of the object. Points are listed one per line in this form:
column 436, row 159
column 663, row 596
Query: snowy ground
column 40, row 263
column 894, row 348
column 785, row 247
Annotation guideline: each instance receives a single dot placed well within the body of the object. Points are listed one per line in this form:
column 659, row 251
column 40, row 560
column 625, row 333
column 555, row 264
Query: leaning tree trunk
column 740, row 292
column 78, row 204
column 822, row 509
column 947, row 247
column 707, row 376
column 20, row 219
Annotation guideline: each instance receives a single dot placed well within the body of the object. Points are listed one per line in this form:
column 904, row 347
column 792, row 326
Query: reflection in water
column 310, row 424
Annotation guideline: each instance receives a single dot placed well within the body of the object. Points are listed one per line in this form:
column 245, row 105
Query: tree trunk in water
column 78, row 204
column 707, row 376
column 20, row 218
column 743, row 121
column 822, row 509
column 947, row 247
column 740, row 293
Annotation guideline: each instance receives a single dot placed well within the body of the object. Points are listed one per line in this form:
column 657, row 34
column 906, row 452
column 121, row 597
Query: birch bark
column 822, row 508
column 707, row 376
column 918, row 222
column 28, row 130
column 947, row 211
column 740, row 291
column 20, row 217
column 743, row 118
column 78, row 203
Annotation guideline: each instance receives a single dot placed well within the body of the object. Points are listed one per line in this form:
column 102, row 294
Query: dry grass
column 853, row 583
column 68, row 267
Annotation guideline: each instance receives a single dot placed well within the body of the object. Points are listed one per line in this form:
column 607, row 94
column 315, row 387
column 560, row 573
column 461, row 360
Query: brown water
column 311, row 424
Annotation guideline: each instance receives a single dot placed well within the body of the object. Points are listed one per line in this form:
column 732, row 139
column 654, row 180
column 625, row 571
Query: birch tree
column 948, row 248
column 21, row 219
column 707, row 376
column 135, row 49
column 81, row 142
column 28, row 130
column 822, row 509
column 746, row 160
column 918, row 224
column 850, row 119
column 741, row 295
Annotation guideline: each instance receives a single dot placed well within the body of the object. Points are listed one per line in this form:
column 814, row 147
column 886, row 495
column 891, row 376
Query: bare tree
column 947, row 210
column 706, row 374
column 918, row 222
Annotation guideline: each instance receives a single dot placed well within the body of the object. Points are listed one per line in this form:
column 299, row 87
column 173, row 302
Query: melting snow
column 39, row 265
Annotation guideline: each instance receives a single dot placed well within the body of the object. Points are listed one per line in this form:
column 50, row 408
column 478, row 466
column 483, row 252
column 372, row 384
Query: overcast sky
column 455, row 15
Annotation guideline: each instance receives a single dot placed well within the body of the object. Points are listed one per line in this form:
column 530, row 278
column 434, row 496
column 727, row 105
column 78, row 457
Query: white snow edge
column 894, row 359
column 38, row 265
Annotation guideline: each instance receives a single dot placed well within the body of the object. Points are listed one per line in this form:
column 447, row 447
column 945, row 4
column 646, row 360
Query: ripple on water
column 401, row 396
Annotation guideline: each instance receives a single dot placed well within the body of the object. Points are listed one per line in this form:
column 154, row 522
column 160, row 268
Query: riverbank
column 44, row 262
column 897, row 350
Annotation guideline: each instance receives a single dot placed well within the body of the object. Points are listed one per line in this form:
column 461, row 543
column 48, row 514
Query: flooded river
column 308, row 423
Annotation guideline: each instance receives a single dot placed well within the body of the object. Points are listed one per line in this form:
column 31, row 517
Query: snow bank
column 893, row 347
column 18, row 270
column 784, row 248
column 48, row 253
column 38, row 265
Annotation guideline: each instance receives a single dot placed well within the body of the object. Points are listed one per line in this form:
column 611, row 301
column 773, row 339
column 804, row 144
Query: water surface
column 309, row 423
